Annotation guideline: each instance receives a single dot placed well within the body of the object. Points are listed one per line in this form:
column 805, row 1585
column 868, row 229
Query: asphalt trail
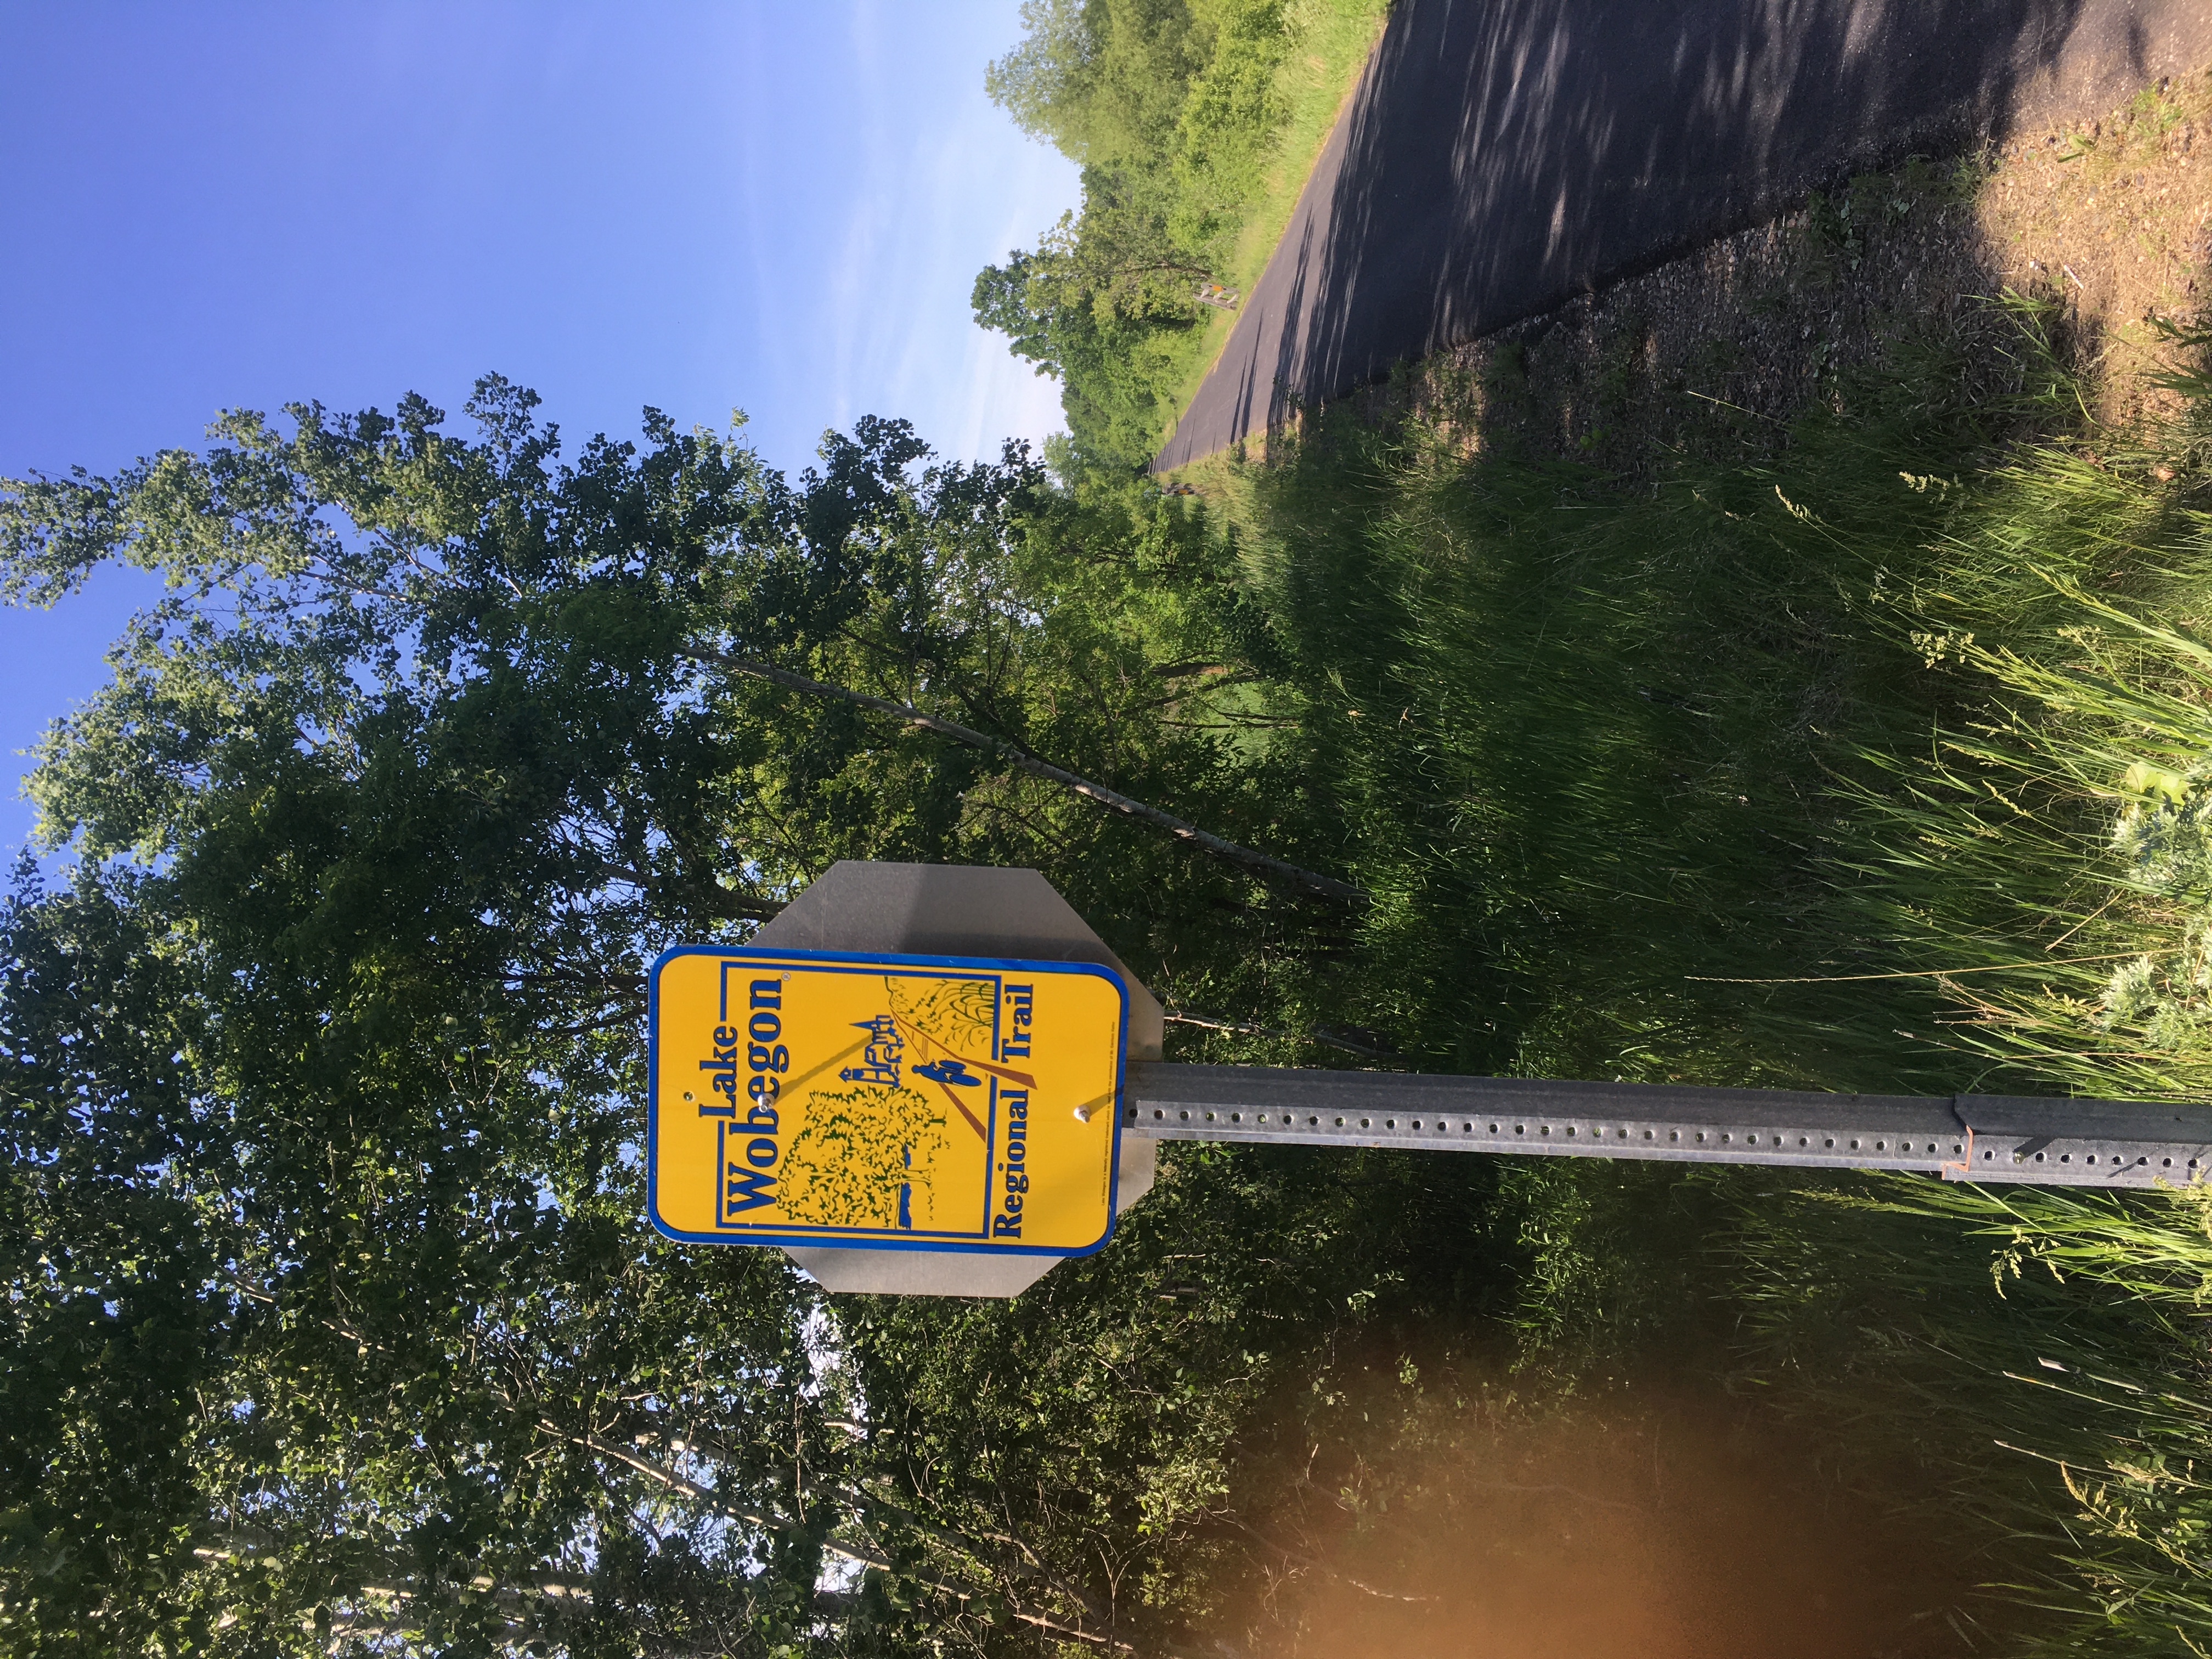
column 1500, row 156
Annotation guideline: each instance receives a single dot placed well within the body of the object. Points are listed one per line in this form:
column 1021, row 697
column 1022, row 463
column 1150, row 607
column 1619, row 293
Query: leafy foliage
column 1174, row 109
column 334, row 1317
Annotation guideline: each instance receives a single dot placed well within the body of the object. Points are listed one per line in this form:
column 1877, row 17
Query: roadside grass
column 1331, row 40
column 1586, row 740
column 2111, row 214
column 1881, row 761
column 2041, row 1354
column 1790, row 668
column 1762, row 632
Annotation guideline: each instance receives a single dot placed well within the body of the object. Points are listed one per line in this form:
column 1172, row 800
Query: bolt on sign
column 938, row 1103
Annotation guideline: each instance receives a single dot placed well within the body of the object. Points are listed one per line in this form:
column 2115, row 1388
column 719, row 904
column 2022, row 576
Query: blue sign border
column 865, row 958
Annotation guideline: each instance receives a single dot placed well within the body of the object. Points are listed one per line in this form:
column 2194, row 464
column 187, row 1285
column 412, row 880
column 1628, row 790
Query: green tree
column 333, row 1316
column 1104, row 81
column 1170, row 107
column 1099, row 304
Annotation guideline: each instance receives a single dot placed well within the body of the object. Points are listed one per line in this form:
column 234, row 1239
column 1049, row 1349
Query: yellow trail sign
column 927, row 1102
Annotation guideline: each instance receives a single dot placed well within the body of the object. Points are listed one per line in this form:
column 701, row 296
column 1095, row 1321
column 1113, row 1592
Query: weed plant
column 2050, row 1384
column 1885, row 764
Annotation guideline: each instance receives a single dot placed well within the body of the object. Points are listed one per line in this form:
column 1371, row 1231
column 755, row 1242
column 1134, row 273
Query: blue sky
column 701, row 206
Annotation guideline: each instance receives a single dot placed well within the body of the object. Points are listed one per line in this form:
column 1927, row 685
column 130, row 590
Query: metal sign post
column 927, row 1080
column 1986, row 1137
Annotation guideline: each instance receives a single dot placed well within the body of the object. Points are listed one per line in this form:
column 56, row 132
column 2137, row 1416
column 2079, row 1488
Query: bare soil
column 2108, row 222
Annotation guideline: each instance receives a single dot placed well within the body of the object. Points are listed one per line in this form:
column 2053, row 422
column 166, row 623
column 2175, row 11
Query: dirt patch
column 1689, row 1528
column 2112, row 216
column 2107, row 224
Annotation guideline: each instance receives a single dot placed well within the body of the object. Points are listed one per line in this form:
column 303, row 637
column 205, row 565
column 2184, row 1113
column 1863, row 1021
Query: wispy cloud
column 941, row 199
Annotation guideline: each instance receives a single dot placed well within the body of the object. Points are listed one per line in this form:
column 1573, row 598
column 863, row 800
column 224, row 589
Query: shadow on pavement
column 1503, row 155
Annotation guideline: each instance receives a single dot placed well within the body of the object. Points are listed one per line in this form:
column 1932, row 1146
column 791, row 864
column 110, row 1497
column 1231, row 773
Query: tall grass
column 1885, row 764
column 1585, row 744
column 2051, row 1383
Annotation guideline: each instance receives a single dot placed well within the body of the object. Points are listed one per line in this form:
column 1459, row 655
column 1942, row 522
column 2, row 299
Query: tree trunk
column 1262, row 863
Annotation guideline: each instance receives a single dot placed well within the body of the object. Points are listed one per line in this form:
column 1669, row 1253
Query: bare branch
column 1305, row 1560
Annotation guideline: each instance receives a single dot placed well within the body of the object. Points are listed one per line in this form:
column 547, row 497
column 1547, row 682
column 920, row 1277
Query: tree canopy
column 1172, row 109
column 335, row 1318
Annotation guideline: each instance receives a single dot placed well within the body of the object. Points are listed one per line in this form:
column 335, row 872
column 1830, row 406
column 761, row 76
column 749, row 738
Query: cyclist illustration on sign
column 951, row 1071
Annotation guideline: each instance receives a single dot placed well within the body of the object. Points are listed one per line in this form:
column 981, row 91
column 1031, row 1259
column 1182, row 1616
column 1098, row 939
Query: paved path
column 1501, row 156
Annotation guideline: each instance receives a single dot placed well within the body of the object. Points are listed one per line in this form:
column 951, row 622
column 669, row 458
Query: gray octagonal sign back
column 955, row 910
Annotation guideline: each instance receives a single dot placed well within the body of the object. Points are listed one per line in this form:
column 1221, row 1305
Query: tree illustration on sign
column 859, row 1148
